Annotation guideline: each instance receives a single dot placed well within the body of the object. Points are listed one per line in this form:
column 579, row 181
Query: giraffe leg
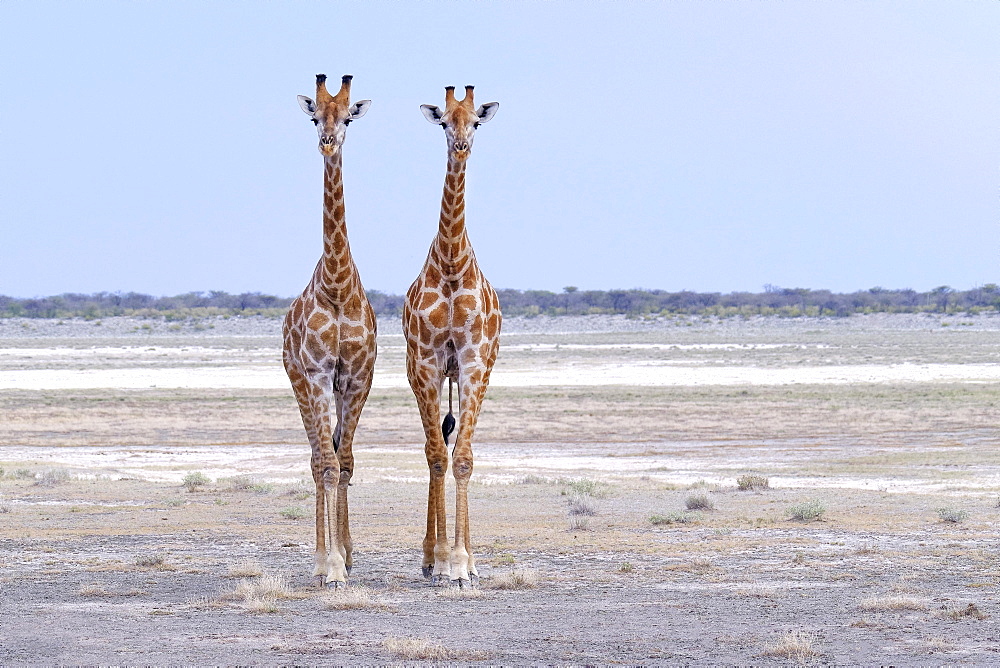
column 471, row 392
column 436, row 560
column 349, row 406
column 317, row 415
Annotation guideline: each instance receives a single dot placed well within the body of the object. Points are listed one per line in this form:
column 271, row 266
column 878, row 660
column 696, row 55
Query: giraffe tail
column 448, row 425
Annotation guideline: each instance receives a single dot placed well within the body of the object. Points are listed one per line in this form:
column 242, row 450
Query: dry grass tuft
column 524, row 578
column 355, row 598
column 752, row 482
column 157, row 561
column 245, row 568
column 969, row 611
column 52, row 477
column 94, row 590
column 261, row 595
column 793, row 645
column 699, row 502
column 579, row 505
column 461, row 592
column 889, row 603
column 419, row 648
column 939, row 645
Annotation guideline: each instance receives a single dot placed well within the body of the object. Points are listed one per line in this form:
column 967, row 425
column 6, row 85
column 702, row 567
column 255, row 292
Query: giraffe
column 451, row 322
column 329, row 344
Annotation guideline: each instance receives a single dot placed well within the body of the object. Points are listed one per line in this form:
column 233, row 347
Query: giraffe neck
column 452, row 242
column 335, row 274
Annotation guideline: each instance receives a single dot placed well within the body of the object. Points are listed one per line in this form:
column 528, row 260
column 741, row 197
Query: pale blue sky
column 709, row 146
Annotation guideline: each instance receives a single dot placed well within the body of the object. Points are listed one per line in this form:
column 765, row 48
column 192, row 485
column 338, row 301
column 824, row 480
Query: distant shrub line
column 786, row 302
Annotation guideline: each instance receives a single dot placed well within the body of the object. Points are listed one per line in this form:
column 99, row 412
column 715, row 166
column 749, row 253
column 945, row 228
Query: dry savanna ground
column 172, row 524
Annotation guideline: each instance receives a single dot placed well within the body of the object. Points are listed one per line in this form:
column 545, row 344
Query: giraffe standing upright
column 451, row 321
column 329, row 343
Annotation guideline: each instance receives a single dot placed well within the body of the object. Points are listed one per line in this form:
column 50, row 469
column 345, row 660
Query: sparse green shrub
column 246, row 483
column 674, row 518
column 192, row 481
column 504, row 560
column 586, row 487
column 699, row 502
column 625, row 567
column 533, row 479
column 955, row 515
column 807, row 511
column 752, row 482
column 196, row 479
column 292, row 513
column 22, row 474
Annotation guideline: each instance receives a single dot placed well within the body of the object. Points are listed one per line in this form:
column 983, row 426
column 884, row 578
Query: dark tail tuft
column 447, row 426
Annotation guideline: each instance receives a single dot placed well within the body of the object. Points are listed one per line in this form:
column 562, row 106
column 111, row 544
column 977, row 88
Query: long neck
column 452, row 242
column 335, row 272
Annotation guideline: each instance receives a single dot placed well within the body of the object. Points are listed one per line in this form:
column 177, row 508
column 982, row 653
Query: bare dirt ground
column 580, row 519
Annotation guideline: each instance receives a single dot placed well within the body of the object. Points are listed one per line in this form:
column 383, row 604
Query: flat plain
column 608, row 518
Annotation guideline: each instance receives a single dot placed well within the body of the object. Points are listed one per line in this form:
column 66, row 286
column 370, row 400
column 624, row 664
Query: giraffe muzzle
column 327, row 145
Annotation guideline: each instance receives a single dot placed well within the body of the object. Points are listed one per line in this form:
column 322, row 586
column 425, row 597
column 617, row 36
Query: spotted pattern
column 451, row 321
column 329, row 355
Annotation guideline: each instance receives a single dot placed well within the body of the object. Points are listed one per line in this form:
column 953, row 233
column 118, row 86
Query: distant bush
column 807, row 511
column 699, row 502
column 752, row 481
column 194, row 480
column 952, row 515
column 674, row 518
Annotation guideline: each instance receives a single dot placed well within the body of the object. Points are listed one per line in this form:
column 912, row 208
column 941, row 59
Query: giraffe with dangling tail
column 451, row 321
column 329, row 343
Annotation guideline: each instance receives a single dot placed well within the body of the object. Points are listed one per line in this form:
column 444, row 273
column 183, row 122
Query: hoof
column 319, row 581
column 335, row 585
column 474, row 579
column 440, row 580
column 349, row 567
column 462, row 583
column 427, row 571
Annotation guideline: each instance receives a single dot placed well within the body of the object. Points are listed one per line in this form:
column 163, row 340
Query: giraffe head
column 459, row 119
column 332, row 113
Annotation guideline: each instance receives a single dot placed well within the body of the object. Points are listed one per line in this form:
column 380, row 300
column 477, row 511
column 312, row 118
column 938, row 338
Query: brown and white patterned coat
column 451, row 322
column 329, row 344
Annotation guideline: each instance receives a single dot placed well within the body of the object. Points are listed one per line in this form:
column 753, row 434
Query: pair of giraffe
column 451, row 322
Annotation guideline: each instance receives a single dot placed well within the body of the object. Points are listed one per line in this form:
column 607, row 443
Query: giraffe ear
column 359, row 109
column 307, row 105
column 432, row 113
column 487, row 111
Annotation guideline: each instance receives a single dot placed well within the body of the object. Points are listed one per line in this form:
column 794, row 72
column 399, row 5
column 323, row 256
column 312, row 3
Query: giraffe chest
column 324, row 341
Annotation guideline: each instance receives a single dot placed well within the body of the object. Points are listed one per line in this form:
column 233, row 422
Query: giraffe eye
column 315, row 122
column 475, row 125
column 347, row 122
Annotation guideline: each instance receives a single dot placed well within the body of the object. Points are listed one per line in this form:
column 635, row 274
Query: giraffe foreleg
column 349, row 405
column 436, row 563
column 330, row 567
column 471, row 393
